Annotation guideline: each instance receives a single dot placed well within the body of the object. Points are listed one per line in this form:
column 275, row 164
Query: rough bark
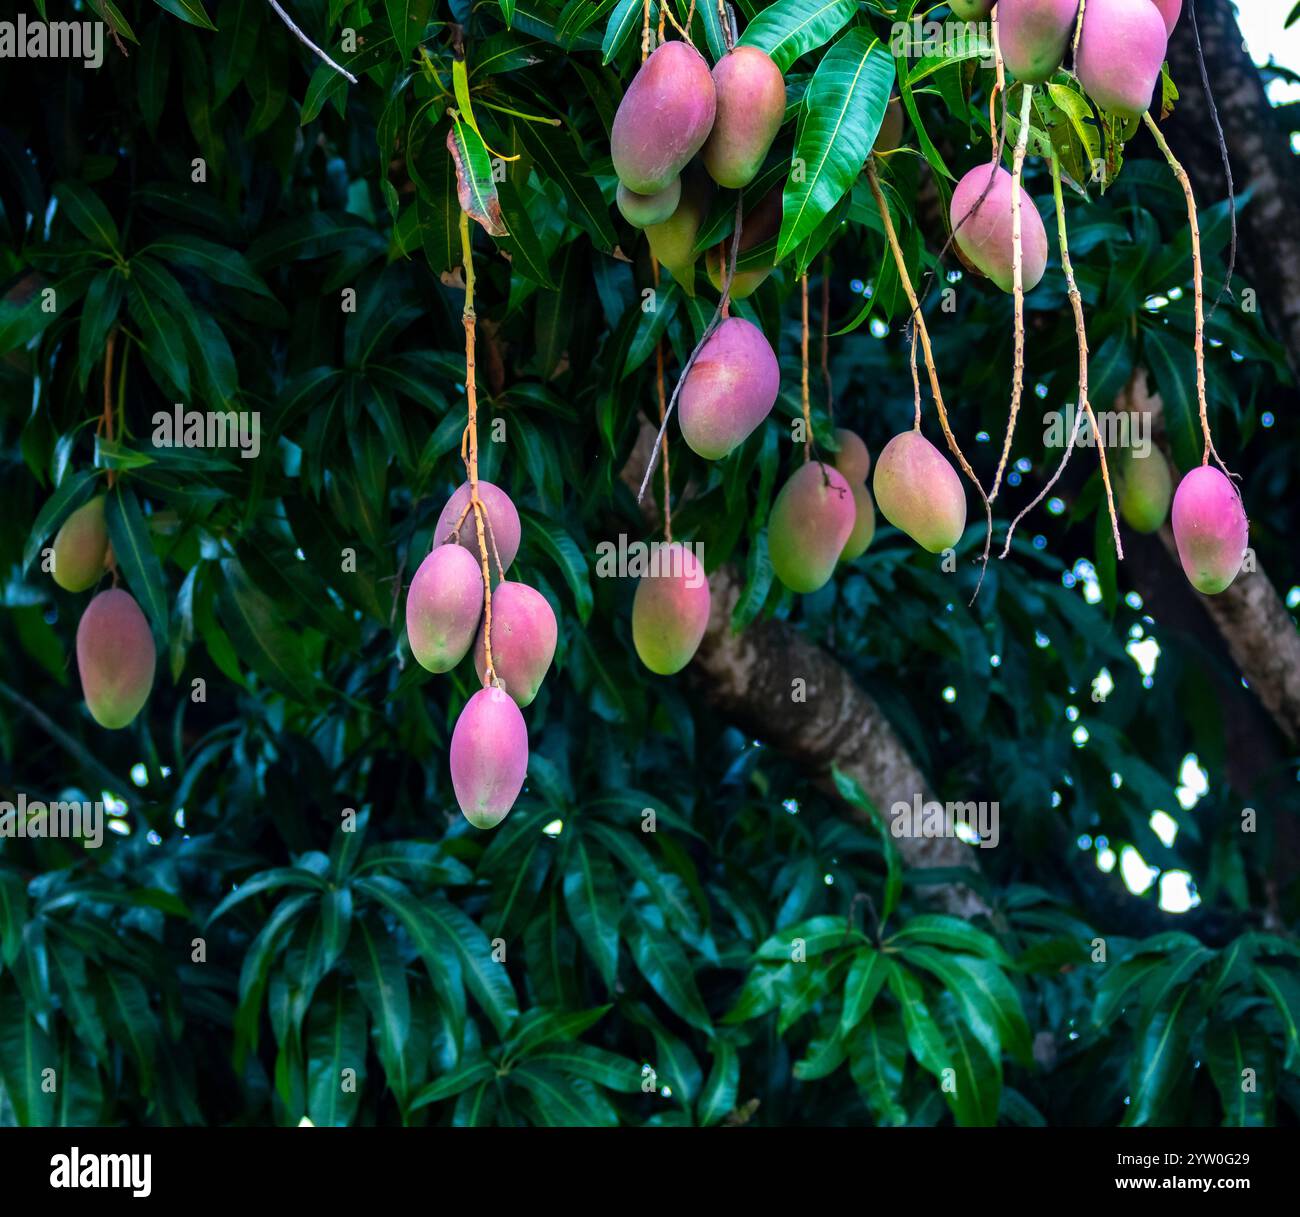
column 1259, row 150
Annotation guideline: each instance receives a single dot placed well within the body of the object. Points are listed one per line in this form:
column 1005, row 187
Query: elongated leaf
column 719, row 1094
column 790, row 28
column 626, row 17
column 475, row 189
column 336, row 1055
column 558, row 158
column 88, row 215
column 661, row 960
column 592, row 898
column 877, row 1063
column 408, row 19
column 25, row 1053
column 866, row 977
column 132, row 547
column 75, row 489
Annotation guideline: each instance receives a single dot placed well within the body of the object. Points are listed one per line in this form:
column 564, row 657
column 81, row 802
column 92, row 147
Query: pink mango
column 443, row 607
column 919, row 492
column 489, row 757
column 984, row 237
column 751, row 107
column 670, row 610
column 811, row 522
column 664, row 118
column 730, row 389
column 852, row 459
column 642, row 210
column 1034, row 35
column 524, row 633
column 1170, row 10
column 115, row 658
column 1120, row 52
column 1210, row 528
column 501, row 524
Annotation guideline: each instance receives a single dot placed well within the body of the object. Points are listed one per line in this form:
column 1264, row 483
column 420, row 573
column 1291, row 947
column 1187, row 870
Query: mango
column 971, row 10
column 730, row 389
column 501, row 524
column 664, row 118
column 642, row 210
column 890, row 134
column 524, row 633
column 985, row 238
column 673, row 241
column 760, row 224
column 1145, row 489
column 489, row 757
column 1170, row 10
column 115, row 658
column 750, row 94
column 919, row 492
column 670, row 610
column 810, row 524
column 864, row 525
column 443, row 607
column 1121, row 48
column 1210, row 528
column 81, row 547
column 1034, row 35
column 852, row 458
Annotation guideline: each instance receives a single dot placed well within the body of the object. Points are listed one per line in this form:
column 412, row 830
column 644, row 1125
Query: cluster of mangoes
column 1121, row 47
column 115, row 650
column 445, row 617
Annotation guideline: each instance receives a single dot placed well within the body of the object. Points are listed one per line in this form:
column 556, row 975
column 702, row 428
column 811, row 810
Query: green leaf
column 719, row 1094
column 1283, row 989
column 453, row 1083
column 475, row 189
column 75, row 490
column 595, row 1064
column 661, row 960
column 99, row 313
column 568, row 556
column 558, row 158
column 591, row 895
column 561, row 1103
column 790, row 28
column 381, row 980
column 542, row 1026
column 625, row 18
column 867, row 974
column 336, row 1055
column 941, row 930
column 262, row 637
column 88, row 215
column 128, row 533
column 1159, row 1060
column 1244, row 1069
column 25, row 1052
column 219, row 263
column 838, row 122
column 815, row 936
column 1173, row 367
column 191, row 11
column 877, row 1063
column 408, row 19
column 163, row 337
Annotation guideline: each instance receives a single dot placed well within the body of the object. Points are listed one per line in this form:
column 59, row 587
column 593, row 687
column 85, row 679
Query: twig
column 918, row 320
column 1084, row 405
column 307, row 42
column 1017, row 284
column 1223, row 152
column 805, row 397
column 826, row 340
column 718, row 314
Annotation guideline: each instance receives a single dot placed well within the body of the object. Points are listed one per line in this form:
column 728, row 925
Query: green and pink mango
column 443, row 607
column 1210, row 528
column 971, row 10
column 664, row 118
column 1170, row 10
column 489, row 757
column 730, row 389
column 760, row 224
column 115, row 658
column 1146, row 488
column 673, row 241
column 642, row 210
column 524, row 633
column 670, row 610
column 501, row 525
column 750, row 94
column 852, row 458
column 1034, row 35
column 984, row 237
column 919, row 492
column 81, row 547
column 864, row 525
column 811, row 522
column 1121, row 48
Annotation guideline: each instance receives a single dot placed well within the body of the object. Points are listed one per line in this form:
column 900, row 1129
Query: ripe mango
column 524, row 632
column 1034, row 35
column 443, row 607
column 864, row 525
column 1120, row 52
column 729, row 390
column 1170, row 10
column 985, row 238
column 760, row 224
column 852, row 458
column 642, row 210
column 1145, row 489
column 919, row 492
column 750, row 94
column 501, row 519
column 810, row 524
column 81, row 547
column 1210, row 528
column 673, row 241
column 115, row 658
column 489, row 757
column 664, row 118
column 670, row 610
